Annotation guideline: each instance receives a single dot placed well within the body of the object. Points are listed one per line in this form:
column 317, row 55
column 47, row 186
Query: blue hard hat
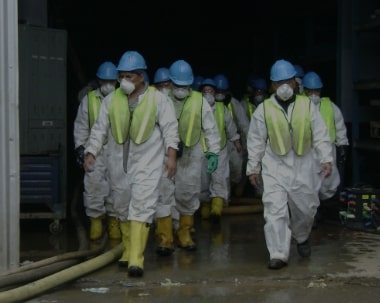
column 181, row 73
column 209, row 82
column 282, row 70
column 311, row 80
column 197, row 82
column 161, row 75
column 221, row 82
column 130, row 61
column 107, row 71
column 299, row 71
column 259, row 83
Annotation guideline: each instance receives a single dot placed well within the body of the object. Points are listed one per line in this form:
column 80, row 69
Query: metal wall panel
column 9, row 138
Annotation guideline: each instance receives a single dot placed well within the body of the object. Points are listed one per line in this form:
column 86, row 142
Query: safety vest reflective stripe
column 119, row 116
column 190, row 120
column 232, row 111
column 144, row 117
column 278, row 129
column 221, row 123
column 250, row 107
column 94, row 103
column 301, row 125
column 327, row 112
column 283, row 135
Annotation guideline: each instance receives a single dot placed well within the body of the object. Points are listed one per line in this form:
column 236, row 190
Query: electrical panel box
column 43, row 103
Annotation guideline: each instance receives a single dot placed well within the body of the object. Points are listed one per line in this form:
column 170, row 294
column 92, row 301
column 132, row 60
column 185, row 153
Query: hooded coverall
column 290, row 199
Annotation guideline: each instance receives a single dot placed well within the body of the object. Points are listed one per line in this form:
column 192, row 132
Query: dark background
column 238, row 38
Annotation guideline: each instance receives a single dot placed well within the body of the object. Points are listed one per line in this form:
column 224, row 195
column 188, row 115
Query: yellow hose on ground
column 42, row 285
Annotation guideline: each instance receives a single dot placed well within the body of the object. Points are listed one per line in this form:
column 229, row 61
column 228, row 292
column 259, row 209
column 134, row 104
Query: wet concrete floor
column 230, row 265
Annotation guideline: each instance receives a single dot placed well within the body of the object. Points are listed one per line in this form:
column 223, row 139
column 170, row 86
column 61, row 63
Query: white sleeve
column 209, row 128
column 81, row 130
column 340, row 127
column 256, row 141
column 100, row 129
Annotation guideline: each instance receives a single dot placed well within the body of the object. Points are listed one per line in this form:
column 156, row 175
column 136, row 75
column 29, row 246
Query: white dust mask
column 284, row 92
column 315, row 99
column 210, row 98
column 127, row 86
column 219, row 97
column 180, row 93
column 165, row 90
column 107, row 89
column 258, row 99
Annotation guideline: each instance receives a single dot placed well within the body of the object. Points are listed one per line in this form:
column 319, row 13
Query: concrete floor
column 230, row 265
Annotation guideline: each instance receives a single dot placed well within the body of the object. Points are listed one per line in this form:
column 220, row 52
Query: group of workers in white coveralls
column 156, row 152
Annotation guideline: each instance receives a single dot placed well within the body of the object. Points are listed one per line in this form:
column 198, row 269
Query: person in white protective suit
column 142, row 120
column 284, row 131
column 237, row 157
column 97, row 197
column 195, row 120
column 167, row 216
column 336, row 127
column 215, row 187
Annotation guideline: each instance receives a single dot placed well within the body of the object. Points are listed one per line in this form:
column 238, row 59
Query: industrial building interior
column 61, row 43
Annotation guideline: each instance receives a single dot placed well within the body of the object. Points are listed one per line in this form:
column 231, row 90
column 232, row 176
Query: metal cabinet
column 43, row 118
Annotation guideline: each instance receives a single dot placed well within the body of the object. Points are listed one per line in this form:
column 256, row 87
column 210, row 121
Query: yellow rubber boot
column 124, row 228
column 216, row 209
column 138, row 236
column 114, row 232
column 164, row 234
column 205, row 210
column 96, row 228
column 184, row 233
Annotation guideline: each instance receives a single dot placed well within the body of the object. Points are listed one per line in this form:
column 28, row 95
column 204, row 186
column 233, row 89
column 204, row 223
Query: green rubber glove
column 212, row 163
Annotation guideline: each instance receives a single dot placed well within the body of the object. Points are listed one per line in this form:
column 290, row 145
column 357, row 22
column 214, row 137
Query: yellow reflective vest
column 190, row 119
column 221, row 123
column 140, row 124
column 94, row 103
column 327, row 112
column 250, row 108
column 283, row 136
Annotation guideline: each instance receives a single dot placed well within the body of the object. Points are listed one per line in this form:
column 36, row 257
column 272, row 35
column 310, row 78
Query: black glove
column 342, row 154
column 180, row 150
column 79, row 153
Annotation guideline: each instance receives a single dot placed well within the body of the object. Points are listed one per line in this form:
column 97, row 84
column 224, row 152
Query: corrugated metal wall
column 9, row 137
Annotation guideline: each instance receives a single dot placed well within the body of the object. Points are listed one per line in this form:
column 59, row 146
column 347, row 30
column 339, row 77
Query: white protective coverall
column 328, row 186
column 290, row 199
column 143, row 163
column 96, row 197
column 238, row 160
column 217, row 184
column 190, row 165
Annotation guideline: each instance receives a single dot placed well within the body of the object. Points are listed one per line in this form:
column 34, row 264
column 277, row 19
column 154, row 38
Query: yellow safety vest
column 190, row 119
column 221, row 123
column 250, row 108
column 94, row 103
column 140, row 124
column 283, row 136
column 327, row 112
